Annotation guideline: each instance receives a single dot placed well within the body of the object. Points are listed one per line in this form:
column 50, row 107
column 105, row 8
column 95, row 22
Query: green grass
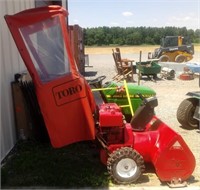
column 32, row 164
column 35, row 164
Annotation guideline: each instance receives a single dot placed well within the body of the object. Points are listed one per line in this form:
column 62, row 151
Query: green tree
column 135, row 35
column 197, row 36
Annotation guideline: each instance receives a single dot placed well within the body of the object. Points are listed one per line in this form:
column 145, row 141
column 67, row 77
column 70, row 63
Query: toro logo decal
column 68, row 92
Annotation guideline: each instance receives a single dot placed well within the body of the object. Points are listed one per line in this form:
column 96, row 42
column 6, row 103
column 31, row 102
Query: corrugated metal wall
column 11, row 63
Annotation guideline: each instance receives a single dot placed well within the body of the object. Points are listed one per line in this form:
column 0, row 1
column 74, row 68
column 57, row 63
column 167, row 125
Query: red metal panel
column 166, row 150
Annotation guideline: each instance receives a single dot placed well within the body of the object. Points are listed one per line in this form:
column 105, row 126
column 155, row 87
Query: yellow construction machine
column 174, row 49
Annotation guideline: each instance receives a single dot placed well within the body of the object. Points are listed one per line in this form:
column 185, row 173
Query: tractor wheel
column 164, row 58
column 180, row 58
column 185, row 113
column 125, row 165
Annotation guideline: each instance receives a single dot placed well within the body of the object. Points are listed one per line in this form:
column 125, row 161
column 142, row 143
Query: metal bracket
column 176, row 183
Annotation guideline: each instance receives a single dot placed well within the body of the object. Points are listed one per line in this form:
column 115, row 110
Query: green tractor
column 116, row 92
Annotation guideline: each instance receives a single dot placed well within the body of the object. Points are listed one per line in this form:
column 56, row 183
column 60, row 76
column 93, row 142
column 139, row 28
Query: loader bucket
column 166, row 150
column 64, row 97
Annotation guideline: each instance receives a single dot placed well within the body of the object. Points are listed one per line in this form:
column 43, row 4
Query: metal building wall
column 11, row 63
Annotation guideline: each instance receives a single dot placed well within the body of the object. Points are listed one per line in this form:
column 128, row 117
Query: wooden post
column 139, row 73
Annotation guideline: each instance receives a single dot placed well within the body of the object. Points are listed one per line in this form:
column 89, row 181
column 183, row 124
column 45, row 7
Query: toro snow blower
column 71, row 114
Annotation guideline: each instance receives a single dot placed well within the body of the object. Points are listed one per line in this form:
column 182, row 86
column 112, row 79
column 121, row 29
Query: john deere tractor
column 115, row 92
column 174, row 49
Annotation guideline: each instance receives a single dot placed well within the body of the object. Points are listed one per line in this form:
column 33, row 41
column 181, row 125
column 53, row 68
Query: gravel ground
column 170, row 94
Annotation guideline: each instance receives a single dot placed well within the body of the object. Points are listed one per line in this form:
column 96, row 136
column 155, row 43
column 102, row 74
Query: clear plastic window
column 46, row 47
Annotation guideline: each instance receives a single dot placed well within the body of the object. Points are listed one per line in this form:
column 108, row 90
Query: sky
column 135, row 13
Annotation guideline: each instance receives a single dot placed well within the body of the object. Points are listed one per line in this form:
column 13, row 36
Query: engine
column 111, row 123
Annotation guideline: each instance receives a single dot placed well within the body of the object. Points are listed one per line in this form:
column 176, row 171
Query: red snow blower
column 71, row 114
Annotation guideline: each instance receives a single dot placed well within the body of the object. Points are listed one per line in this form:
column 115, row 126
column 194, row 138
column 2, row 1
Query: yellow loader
column 174, row 49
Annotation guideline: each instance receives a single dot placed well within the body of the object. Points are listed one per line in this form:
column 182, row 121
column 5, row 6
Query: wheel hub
column 126, row 168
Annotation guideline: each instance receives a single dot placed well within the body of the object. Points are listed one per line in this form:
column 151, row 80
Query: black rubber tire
column 164, row 58
column 125, row 165
column 185, row 113
column 180, row 58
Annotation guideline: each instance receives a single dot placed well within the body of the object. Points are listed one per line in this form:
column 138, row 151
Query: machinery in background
column 148, row 68
column 188, row 112
column 174, row 49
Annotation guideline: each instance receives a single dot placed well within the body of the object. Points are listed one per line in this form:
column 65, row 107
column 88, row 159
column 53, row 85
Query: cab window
column 45, row 44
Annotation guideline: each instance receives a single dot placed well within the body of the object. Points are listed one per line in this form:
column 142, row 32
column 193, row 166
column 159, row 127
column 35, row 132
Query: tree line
column 101, row 36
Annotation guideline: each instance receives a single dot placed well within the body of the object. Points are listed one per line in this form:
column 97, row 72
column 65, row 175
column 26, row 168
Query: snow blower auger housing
column 71, row 114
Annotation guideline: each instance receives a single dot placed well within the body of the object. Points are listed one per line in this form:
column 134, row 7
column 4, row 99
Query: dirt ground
column 170, row 94
column 129, row 49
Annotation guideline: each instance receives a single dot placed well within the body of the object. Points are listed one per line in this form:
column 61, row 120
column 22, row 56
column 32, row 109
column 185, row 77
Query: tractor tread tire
column 185, row 113
column 119, row 154
column 164, row 58
column 180, row 58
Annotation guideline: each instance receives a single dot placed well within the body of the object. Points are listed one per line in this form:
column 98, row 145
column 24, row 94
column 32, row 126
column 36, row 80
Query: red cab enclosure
column 64, row 97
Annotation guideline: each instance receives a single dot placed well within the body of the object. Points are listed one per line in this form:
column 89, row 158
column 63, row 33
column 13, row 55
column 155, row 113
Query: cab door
column 64, row 96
